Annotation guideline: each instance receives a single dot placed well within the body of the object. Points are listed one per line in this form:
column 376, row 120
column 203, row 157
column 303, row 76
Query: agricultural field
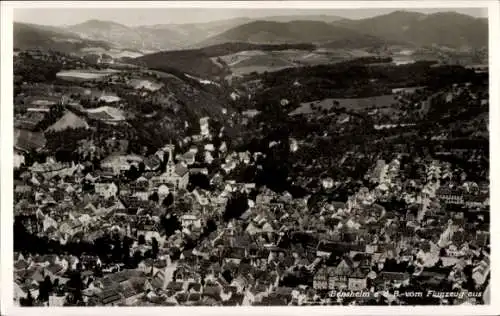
column 353, row 104
column 27, row 140
column 246, row 62
column 84, row 75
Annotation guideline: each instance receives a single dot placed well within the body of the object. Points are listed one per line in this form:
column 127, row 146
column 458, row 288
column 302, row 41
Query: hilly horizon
column 448, row 29
column 33, row 36
column 455, row 30
column 299, row 31
column 221, row 48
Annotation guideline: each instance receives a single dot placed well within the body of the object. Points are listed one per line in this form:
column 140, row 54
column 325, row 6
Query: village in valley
column 135, row 186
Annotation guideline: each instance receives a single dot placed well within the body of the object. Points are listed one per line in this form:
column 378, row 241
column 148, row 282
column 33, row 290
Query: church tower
column 170, row 162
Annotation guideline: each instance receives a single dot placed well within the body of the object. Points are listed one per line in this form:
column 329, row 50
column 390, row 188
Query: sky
column 151, row 16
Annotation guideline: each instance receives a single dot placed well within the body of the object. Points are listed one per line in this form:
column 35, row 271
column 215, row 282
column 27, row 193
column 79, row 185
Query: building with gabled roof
column 175, row 174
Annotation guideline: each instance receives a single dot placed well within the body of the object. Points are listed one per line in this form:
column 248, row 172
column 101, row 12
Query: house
column 320, row 280
column 204, row 126
column 71, row 228
column 140, row 189
column 481, row 271
column 198, row 170
column 379, row 172
column 240, row 282
column 450, row 196
column 201, row 197
column 18, row 158
column 162, row 190
column 188, row 220
column 189, row 158
column 175, row 174
column 175, row 286
column 256, row 293
column 51, row 168
column 110, row 297
column 106, row 189
column 120, row 163
column 57, row 300
column 149, row 230
column 130, row 295
column 209, row 147
column 244, row 157
column 235, row 255
column 357, row 280
column 340, row 276
column 389, row 277
column 152, row 163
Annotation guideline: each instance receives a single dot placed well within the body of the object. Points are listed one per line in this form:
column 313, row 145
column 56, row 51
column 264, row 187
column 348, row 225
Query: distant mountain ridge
column 199, row 62
column 33, row 36
column 298, row 31
column 449, row 29
column 153, row 37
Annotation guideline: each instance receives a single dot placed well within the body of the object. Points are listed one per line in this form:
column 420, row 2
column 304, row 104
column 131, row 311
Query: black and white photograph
column 232, row 156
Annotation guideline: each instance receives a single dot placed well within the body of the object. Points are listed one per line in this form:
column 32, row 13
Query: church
column 176, row 175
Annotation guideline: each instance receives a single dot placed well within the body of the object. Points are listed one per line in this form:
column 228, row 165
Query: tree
column 55, row 285
column 137, row 257
column 127, row 242
column 142, row 167
column 442, row 252
column 28, row 301
column 117, row 252
column 154, row 197
column 170, row 224
column 75, row 287
column 227, row 276
column 169, row 200
column 154, row 249
column 236, row 206
column 198, row 180
column 133, row 173
column 45, row 287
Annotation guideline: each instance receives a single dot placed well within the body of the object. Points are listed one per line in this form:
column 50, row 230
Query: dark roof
column 181, row 297
column 152, row 162
column 110, row 297
column 99, row 115
column 128, row 291
column 157, row 283
column 236, row 299
column 211, row 290
column 194, row 297
column 194, row 286
column 55, row 268
column 160, row 264
column 386, row 275
column 359, row 274
column 21, row 265
column 181, row 170
column 236, row 253
column 176, row 286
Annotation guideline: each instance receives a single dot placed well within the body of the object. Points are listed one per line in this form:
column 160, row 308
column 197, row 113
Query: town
column 135, row 186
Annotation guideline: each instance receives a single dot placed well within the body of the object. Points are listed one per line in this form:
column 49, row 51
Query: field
column 81, row 75
column 356, row 104
column 107, row 113
column 26, row 140
column 145, row 84
column 246, row 62
column 68, row 120
column 115, row 53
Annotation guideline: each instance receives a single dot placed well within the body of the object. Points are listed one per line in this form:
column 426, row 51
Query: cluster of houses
column 280, row 251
